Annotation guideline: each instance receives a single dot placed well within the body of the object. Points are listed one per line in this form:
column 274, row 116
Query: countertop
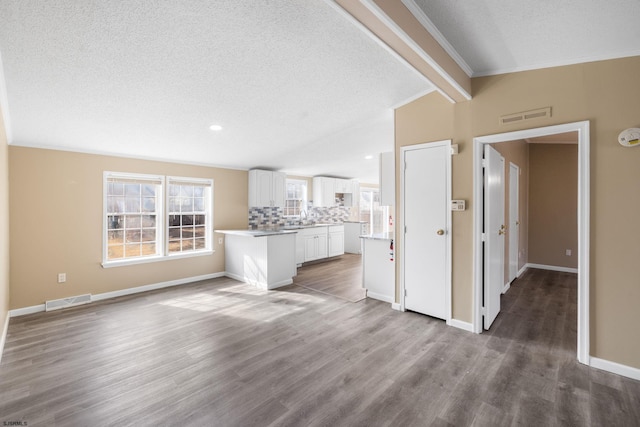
column 256, row 233
column 379, row 236
column 272, row 231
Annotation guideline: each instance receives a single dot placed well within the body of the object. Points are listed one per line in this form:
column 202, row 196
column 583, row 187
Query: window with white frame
column 132, row 221
column 371, row 212
column 296, row 197
column 139, row 227
column 188, row 215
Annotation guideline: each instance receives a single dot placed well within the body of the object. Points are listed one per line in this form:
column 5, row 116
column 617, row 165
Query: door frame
column 583, row 221
column 401, row 224
column 513, row 231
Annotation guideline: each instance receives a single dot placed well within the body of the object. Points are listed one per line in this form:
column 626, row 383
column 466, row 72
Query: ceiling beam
column 394, row 24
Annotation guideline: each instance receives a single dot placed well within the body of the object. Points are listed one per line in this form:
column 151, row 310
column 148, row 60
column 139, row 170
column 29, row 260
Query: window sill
column 158, row 258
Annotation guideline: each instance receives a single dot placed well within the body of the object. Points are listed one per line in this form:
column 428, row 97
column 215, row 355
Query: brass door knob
column 440, row 232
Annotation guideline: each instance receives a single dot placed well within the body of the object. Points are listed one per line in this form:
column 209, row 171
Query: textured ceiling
column 295, row 84
column 494, row 37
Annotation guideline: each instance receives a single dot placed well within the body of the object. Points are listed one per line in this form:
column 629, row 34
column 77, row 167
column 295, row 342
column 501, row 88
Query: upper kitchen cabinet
column 387, row 179
column 335, row 191
column 324, row 191
column 355, row 187
column 266, row 188
column 343, row 186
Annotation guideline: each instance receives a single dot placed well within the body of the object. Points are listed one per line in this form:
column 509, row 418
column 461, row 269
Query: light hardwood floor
column 340, row 276
column 221, row 353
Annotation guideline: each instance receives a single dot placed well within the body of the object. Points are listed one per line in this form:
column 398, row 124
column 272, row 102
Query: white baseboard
column 615, row 368
column 122, row 292
column 154, row 286
column 396, row 306
column 380, row 297
column 26, row 310
column 506, row 287
column 522, row 270
column 259, row 285
column 552, row 268
column 3, row 338
column 460, row 325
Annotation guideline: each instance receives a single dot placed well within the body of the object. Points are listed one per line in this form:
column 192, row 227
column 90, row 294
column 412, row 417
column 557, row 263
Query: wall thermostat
column 629, row 137
column 457, row 205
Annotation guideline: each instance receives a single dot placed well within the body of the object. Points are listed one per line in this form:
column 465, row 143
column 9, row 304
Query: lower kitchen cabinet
column 336, row 240
column 313, row 243
column 352, row 232
column 378, row 267
column 315, row 247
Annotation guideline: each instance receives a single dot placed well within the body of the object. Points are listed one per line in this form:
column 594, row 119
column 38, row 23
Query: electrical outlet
column 62, row 277
column 568, row 252
column 220, row 241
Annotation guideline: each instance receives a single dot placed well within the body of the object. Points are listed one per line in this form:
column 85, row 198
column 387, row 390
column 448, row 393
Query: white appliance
column 352, row 232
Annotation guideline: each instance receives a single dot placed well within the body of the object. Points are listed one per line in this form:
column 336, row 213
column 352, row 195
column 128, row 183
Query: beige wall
column 553, row 204
column 56, row 224
column 606, row 93
column 4, row 226
column 516, row 152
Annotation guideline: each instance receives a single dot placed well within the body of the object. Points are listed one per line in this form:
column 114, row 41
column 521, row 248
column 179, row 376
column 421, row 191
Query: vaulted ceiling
column 303, row 87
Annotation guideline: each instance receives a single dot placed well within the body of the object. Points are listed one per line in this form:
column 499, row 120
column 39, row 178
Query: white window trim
column 304, row 199
column 162, row 229
column 209, row 220
column 157, row 258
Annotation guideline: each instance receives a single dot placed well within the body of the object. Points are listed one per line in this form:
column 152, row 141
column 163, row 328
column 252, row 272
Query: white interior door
column 494, row 231
column 426, row 220
column 514, row 220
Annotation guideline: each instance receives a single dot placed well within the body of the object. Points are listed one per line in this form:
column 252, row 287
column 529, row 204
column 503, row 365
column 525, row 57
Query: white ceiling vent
column 526, row 115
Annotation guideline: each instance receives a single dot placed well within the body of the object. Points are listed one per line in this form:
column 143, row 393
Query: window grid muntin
column 188, row 216
column 131, row 216
column 295, row 197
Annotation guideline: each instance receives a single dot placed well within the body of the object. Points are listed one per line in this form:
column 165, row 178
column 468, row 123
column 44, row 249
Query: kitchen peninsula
column 263, row 258
column 378, row 266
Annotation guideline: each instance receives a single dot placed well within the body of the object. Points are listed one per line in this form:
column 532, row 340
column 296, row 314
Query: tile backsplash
column 274, row 217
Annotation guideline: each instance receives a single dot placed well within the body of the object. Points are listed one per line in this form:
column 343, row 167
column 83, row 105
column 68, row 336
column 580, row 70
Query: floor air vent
column 525, row 115
column 57, row 304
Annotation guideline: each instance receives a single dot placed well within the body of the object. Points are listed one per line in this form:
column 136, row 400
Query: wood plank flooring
column 221, row 353
column 339, row 276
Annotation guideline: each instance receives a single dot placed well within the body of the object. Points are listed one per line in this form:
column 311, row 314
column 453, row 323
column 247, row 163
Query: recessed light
column 368, row 157
column 215, row 127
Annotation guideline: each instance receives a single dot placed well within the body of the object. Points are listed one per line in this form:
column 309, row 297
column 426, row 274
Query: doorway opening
column 582, row 129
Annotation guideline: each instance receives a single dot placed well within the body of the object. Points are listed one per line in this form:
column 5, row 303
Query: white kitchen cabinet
column 266, row 188
column 352, row 233
column 315, row 243
column 338, row 185
column 387, row 179
column 343, row 186
column 336, row 240
column 325, row 189
column 265, row 261
column 300, row 249
column 324, row 192
column 355, row 195
column 378, row 267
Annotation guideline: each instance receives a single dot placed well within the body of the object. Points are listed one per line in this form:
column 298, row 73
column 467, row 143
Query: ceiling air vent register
column 525, row 115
